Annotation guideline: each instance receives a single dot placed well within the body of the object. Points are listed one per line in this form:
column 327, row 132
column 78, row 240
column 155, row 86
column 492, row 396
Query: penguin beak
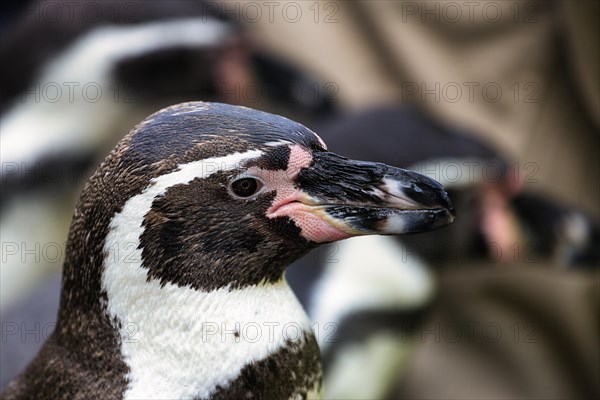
column 362, row 198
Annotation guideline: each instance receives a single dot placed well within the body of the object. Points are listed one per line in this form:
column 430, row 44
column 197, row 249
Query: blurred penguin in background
column 371, row 306
column 75, row 76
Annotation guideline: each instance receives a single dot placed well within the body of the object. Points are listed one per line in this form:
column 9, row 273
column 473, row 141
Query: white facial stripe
column 202, row 169
column 277, row 143
column 164, row 329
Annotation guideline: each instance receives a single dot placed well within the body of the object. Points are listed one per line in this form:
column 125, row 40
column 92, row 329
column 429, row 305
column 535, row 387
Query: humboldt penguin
column 173, row 279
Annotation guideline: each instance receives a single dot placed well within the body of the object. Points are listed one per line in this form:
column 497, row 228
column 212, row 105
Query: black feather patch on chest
column 290, row 373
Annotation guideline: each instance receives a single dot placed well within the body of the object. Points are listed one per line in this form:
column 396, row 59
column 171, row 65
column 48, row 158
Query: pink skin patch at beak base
column 288, row 200
column 313, row 227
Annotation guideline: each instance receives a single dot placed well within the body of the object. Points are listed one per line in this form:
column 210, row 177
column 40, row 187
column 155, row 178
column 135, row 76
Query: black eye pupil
column 245, row 187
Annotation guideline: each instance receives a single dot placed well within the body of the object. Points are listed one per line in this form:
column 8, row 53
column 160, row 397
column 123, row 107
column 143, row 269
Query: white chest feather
column 181, row 343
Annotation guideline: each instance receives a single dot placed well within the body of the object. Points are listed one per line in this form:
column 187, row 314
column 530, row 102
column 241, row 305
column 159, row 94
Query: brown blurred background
column 404, row 82
column 546, row 65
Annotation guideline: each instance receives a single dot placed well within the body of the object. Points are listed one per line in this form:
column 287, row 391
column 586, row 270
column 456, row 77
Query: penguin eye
column 245, row 187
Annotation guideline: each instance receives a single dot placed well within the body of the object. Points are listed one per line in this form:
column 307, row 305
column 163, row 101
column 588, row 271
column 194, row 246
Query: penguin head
column 212, row 195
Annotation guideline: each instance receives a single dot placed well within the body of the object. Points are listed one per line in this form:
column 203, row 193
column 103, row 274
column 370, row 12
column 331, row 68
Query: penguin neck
column 182, row 342
column 134, row 298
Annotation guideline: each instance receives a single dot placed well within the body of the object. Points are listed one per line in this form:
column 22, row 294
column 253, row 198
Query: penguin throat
column 184, row 343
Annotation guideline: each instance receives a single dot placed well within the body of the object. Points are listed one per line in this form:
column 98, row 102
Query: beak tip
column 448, row 205
column 451, row 217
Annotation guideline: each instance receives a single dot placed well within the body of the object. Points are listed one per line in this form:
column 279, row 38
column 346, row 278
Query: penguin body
column 173, row 279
